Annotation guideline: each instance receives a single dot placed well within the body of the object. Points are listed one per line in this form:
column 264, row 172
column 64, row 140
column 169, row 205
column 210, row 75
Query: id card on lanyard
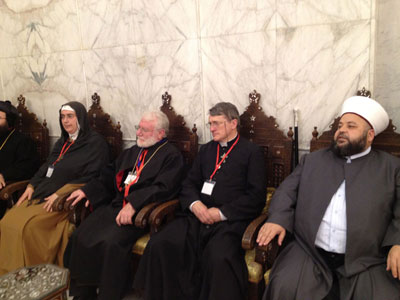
column 50, row 169
column 208, row 185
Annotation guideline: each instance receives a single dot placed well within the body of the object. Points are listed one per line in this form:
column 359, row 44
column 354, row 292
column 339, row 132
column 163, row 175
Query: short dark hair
column 226, row 109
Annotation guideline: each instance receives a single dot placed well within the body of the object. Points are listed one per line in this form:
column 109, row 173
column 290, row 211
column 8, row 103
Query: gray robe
column 373, row 226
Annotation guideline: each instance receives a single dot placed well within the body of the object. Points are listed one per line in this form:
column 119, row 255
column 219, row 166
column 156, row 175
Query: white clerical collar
column 74, row 136
column 225, row 144
column 358, row 155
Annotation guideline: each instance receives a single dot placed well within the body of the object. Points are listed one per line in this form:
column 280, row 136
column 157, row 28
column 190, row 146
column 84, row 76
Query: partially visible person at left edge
column 31, row 233
column 18, row 156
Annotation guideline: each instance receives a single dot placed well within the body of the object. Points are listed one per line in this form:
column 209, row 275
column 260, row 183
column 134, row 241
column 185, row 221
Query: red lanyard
column 63, row 152
column 218, row 164
column 139, row 167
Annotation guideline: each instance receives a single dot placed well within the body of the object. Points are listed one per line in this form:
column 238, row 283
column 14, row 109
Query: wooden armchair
column 186, row 140
column 277, row 146
column 27, row 124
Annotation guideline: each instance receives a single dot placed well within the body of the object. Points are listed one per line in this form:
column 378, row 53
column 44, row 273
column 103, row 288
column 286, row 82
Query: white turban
column 370, row 110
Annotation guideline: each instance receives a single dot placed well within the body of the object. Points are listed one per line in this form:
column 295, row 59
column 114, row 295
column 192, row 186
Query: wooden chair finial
column 21, row 100
column 364, row 92
column 96, row 99
column 166, row 98
column 254, row 97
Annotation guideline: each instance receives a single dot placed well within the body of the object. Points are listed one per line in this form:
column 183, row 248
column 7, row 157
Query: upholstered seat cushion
column 141, row 244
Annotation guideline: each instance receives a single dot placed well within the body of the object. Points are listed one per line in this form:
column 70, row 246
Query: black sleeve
column 100, row 190
column 191, row 186
column 26, row 163
column 249, row 204
column 283, row 203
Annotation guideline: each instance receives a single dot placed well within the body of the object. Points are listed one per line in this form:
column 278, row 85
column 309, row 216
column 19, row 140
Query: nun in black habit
column 31, row 233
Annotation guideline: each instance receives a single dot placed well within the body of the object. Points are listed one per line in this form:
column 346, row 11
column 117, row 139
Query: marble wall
column 303, row 54
column 387, row 58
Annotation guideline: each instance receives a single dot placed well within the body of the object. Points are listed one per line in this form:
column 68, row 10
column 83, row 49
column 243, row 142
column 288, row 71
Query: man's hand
column 215, row 214
column 26, row 195
column 268, row 232
column 2, row 181
column 77, row 196
column 125, row 215
column 393, row 261
column 48, row 206
column 202, row 213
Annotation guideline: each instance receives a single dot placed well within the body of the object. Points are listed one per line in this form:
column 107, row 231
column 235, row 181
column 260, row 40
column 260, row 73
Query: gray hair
column 161, row 119
column 226, row 109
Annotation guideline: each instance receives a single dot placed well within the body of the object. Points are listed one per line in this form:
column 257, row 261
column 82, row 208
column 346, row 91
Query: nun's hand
column 26, row 195
column 76, row 196
column 393, row 261
column 125, row 215
column 48, row 206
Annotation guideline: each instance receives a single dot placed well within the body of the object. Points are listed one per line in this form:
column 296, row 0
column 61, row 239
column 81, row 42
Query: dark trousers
column 334, row 261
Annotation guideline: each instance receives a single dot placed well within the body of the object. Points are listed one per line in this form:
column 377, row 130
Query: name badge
column 131, row 177
column 50, row 170
column 208, row 187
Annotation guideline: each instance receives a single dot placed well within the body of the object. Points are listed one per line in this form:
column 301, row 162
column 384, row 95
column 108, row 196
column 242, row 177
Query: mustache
column 342, row 135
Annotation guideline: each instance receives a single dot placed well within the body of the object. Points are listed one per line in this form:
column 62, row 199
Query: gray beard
column 148, row 143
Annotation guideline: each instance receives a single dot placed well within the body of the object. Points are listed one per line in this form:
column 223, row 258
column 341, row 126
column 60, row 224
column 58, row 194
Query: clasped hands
column 206, row 215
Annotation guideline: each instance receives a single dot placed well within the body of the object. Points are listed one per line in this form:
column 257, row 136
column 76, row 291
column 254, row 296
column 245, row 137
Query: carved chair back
column 102, row 123
column 264, row 131
column 185, row 139
column 388, row 140
column 29, row 124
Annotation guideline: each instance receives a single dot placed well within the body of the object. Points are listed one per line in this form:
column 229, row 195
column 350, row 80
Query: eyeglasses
column 215, row 124
column 145, row 130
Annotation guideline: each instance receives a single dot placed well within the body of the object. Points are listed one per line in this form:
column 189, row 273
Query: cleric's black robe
column 99, row 251
column 18, row 159
column 191, row 260
column 373, row 226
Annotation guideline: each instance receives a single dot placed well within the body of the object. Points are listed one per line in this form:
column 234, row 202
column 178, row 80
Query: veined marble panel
column 106, row 23
column 294, row 13
column 112, row 74
column 37, row 27
column 387, row 83
column 172, row 67
column 318, row 68
column 235, row 65
column 46, row 82
column 164, row 20
column 236, row 16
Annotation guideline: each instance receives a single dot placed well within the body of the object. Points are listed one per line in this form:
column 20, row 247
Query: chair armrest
column 266, row 255
column 11, row 188
column 250, row 235
column 142, row 218
column 162, row 214
column 63, row 193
